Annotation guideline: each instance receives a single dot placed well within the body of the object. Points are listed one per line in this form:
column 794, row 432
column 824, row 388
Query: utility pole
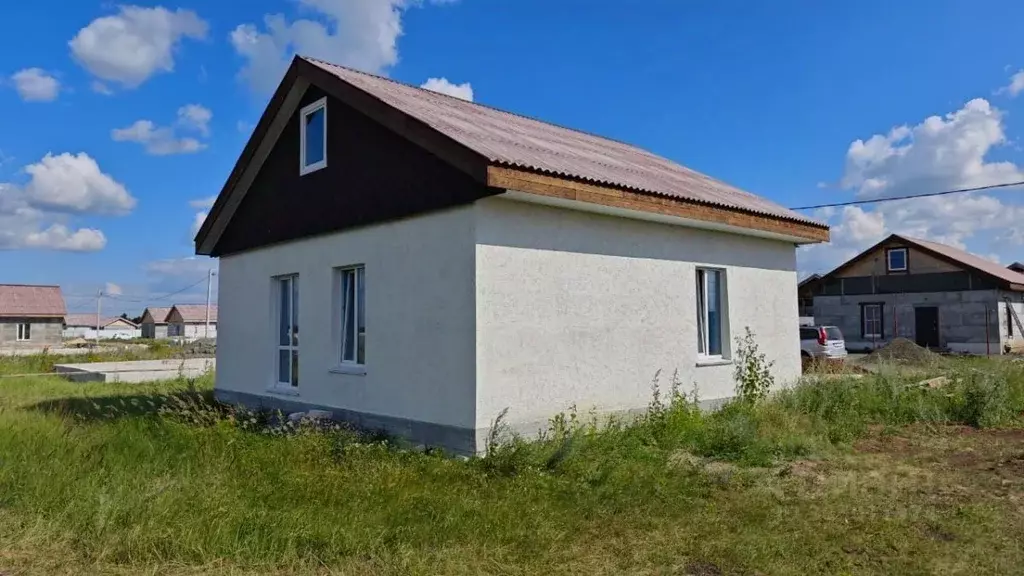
column 99, row 305
column 209, row 297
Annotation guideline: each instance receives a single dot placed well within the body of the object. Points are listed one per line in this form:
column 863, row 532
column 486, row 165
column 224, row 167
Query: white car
column 822, row 342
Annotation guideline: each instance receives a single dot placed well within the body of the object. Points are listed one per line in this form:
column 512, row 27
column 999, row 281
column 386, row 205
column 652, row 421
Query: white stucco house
column 447, row 261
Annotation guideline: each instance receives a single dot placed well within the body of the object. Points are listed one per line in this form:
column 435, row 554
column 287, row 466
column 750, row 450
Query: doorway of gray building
column 926, row 326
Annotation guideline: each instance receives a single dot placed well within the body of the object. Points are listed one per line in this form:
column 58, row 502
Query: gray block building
column 936, row 295
column 31, row 317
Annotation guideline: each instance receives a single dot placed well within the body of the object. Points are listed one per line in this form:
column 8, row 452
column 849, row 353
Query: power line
column 164, row 297
column 910, row 196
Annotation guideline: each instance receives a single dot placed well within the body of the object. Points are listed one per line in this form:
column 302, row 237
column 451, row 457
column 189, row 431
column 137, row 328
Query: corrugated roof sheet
column 968, row 259
column 518, row 141
column 196, row 313
column 22, row 301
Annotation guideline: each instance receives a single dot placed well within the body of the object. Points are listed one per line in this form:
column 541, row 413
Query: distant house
column 84, row 326
column 450, row 264
column 30, row 316
column 934, row 294
column 1017, row 267
column 154, row 322
column 805, row 298
column 189, row 321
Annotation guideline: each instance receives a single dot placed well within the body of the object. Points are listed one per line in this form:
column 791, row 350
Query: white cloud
column 1016, row 85
column 111, row 289
column 100, row 88
column 134, row 44
column 59, row 237
column 21, row 226
column 159, row 141
column 361, row 34
column 203, row 202
column 38, row 214
column 187, row 267
column 36, row 85
column 195, row 117
column 197, row 223
column 442, row 85
column 74, row 183
column 940, row 153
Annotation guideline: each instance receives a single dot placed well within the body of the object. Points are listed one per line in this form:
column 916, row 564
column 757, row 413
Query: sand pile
column 903, row 351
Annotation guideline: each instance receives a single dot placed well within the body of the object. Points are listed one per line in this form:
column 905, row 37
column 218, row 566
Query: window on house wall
column 313, row 137
column 24, row 331
column 287, row 331
column 710, row 301
column 352, row 299
column 896, row 260
column 871, row 326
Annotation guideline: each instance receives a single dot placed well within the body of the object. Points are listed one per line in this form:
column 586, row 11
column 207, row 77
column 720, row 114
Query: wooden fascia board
column 566, row 189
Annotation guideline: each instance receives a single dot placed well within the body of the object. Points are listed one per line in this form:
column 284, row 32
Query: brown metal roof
column 518, row 141
column 23, row 301
column 195, row 313
column 967, row 259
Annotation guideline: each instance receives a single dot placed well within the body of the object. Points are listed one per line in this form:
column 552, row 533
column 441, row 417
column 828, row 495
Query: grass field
column 875, row 475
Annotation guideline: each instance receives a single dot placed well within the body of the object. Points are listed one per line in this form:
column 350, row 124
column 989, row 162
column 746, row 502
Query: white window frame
column 24, row 331
column 292, row 347
column 703, row 316
column 306, row 111
column 877, row 321
column 349, row 365
column 888, row 260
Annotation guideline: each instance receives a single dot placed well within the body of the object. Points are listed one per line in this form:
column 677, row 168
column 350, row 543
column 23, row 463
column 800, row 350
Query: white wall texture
column 580, row 308
column 419, row 315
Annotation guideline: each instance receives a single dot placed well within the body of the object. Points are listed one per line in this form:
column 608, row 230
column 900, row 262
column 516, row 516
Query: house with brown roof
column 154, row 322
column 30, row 316
column 85, row 326
column 936, row 295
column 192, row 321
column 450, row 263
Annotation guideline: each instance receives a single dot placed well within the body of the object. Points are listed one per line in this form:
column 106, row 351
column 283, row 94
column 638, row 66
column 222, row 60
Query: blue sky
column 118, row 120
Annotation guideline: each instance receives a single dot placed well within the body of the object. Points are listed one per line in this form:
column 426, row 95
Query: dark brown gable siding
column 372, row 175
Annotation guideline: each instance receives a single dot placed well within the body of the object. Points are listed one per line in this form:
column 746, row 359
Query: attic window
column 896, row 260
column 313, row 137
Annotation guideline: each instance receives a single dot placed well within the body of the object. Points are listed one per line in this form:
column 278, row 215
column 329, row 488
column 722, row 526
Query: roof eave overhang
column 527, row 186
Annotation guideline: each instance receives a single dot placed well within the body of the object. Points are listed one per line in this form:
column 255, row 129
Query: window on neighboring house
column 710, row 300
column 313, row 137
column 352, row 299
column 871, row 327
column 896, row 260
column 24, row 332
column 288, row 331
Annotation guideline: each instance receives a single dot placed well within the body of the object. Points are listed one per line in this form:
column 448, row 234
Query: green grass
column 128, row 479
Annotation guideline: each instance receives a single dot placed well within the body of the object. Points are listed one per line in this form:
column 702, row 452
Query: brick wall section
column 44, row 332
